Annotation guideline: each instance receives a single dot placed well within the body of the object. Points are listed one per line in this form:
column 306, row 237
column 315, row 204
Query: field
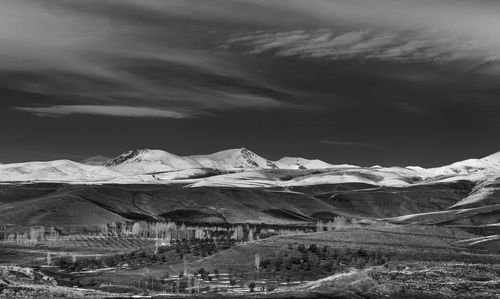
column 306, row 242
column 276, row 266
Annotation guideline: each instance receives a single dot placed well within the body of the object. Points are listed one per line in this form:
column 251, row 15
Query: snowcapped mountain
column 146, row 161
column 231, row 159
column 242, row 167
column 96, row 160
column 156, row 161
column 493, row 159
column 489, row 164
column 302, row 163
column 59, row 170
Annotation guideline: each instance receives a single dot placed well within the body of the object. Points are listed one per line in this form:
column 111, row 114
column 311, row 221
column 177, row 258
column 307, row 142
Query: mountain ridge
column 158, row 166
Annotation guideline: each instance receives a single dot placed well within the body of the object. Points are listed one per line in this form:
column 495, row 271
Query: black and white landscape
column 233, row 223
column 249, row 149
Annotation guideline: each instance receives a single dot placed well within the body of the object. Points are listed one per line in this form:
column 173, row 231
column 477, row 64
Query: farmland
column 305, row 242
column 273, row 265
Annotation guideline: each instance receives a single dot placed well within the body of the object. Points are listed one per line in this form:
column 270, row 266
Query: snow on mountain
column 246, row 179
column 231, row 159
column 161, row 167
column 486, row 165
column 493, row 159
column 301, row 163
column 96, row 160
column 59, row 170
column 150, row 161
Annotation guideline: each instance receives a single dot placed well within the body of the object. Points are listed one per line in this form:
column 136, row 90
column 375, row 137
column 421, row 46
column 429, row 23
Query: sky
column 388, row 82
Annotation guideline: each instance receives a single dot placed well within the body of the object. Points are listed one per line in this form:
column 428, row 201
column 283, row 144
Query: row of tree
column 338, row 222
column 166, row 232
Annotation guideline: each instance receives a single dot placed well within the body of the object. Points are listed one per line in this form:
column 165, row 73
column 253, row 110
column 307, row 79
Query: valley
column 235, row 224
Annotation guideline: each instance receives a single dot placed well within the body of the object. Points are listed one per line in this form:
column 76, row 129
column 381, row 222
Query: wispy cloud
column 349, row 143
column 126, row 53
column 363, row 45
column 122, row 111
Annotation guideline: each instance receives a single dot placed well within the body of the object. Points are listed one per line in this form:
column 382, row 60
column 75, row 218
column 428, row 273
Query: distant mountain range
column 238, row 185
column 239, row 167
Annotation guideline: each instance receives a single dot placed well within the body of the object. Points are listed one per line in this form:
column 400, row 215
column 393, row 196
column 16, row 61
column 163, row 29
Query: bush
column 252, row 286
column 270, row 287
column 232, row 281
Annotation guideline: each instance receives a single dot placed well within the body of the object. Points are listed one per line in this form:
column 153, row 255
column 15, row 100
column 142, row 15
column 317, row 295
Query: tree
column 49, row 259
column 164, row 276
column 277, row 264
column 257, row 261
column 252, row 286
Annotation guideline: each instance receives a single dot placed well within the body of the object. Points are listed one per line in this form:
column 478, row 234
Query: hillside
column 53, row 204
column 238, row 185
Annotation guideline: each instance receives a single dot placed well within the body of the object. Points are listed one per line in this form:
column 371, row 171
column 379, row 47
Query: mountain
column 489, row 164
column 238, row 185
column 59, row 170
column 231, row 159
column 244, row 168
column 146, row 161
column 96, row 160
column 302, row 163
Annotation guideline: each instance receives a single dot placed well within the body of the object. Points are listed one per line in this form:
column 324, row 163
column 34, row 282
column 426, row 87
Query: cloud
column 363, row 45
column 122, row 111
column 127, row 53
column 167, row 54
column 471, row 19
column 349, row 143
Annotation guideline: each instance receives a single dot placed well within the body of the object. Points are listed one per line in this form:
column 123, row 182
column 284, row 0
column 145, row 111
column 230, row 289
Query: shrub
column 251, row 286
column 270, row 287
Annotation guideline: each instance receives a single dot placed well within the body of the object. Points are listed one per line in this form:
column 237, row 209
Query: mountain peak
column 141, row 161
column 234, row 158
column 126, row 156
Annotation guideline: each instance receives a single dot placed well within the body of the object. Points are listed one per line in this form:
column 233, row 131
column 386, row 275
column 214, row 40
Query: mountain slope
column 150, row 161
column 231, row 159
column 488, row 165
column 217, row 169
column 59, row 170
column 51, row 204
column 301, row 163
column 96, row 160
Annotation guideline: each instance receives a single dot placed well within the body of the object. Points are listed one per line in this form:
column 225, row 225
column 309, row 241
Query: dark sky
column 389, row 82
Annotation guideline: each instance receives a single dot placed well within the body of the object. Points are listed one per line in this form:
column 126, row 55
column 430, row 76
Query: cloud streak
column 121, row 111
column 362, row 45
column 126, row 53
